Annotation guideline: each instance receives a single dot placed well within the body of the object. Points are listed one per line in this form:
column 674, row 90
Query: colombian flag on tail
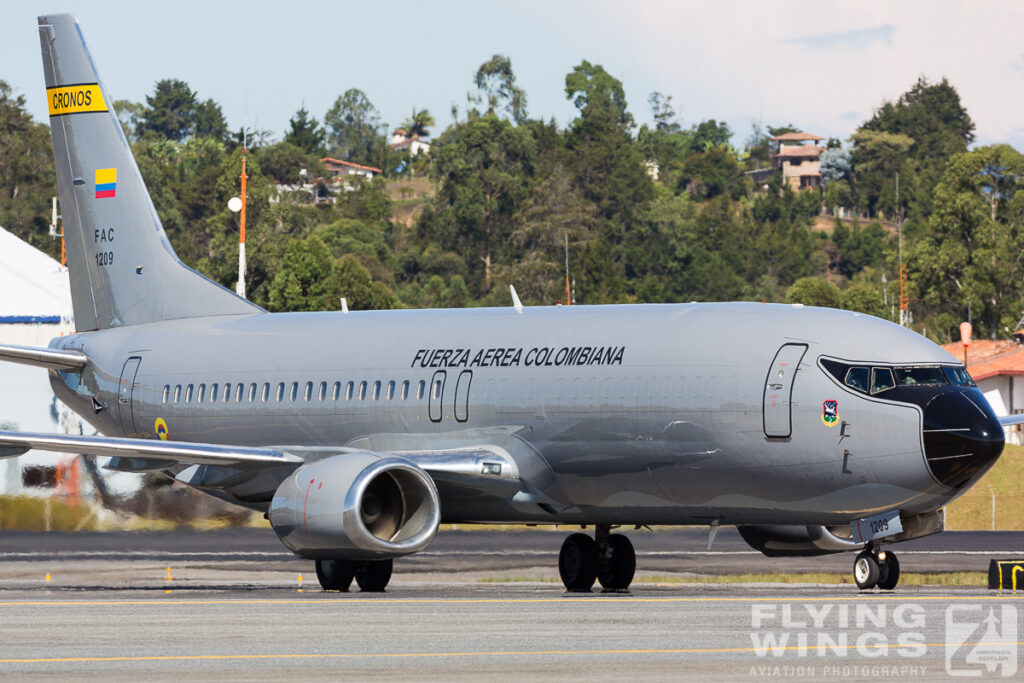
column 106, row 182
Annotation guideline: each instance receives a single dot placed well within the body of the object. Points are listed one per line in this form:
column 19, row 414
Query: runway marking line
column 412, row 655
column 170, row 602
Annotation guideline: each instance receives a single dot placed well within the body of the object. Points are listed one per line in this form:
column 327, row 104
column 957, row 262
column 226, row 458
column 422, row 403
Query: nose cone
column 962, row 436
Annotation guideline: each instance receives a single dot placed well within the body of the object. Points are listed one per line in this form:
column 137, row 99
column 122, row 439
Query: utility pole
column 241, row 233
column 904, row 304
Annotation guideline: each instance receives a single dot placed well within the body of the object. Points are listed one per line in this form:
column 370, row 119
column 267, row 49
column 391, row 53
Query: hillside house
column 799, row 160
column 401, row 141
column 338, row 169
column 997, row 367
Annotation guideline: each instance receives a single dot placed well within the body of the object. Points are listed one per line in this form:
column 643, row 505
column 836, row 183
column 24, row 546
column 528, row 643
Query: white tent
column 35, row 307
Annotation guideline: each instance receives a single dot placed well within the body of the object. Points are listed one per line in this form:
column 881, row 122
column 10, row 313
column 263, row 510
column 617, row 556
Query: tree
column 609, row 167
column 483, row 167
column 169, row 111
column 710, row 133
column 711, row 173
column 354, row 128
column 931, row 116
column 877, row 157
column 305, row 133
column 419, row 123
column 208, row 121
column 971, row 259
column 813, row 291
column 598, row 96
column 27, row 178
column 129, row 115
column 665, row 119
column 495, row 80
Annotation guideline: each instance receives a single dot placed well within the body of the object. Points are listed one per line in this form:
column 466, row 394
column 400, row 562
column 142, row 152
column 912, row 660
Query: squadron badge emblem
column 830, row 412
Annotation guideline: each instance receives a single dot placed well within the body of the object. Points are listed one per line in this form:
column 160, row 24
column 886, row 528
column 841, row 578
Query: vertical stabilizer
column 123, row 270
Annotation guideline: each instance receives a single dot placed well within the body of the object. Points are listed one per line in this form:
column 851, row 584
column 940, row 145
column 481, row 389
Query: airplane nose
column 962, row 436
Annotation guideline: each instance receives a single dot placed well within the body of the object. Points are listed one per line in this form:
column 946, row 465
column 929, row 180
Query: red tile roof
column 989, row 358
column 329, row 162
column 795, row 137
column 800, row 151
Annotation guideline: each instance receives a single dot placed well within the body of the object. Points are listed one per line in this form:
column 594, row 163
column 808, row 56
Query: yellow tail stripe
column 75, row 99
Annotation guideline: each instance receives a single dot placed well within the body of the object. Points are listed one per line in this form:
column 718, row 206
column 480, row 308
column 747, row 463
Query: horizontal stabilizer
column 12, row 443
column 57, row 359
column 1015, row 419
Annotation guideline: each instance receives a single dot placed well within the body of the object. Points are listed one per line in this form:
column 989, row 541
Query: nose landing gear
column 874, row 567
column 608, row 558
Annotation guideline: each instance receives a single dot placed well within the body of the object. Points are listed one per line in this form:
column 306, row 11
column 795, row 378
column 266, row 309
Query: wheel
column 335, row 575
column 616, row 566
column 373, row 576
column 577, row 563
column 866, row 571
column 890, row 572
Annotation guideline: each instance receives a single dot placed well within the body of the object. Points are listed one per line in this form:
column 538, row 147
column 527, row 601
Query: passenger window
column 200, row 393
column 322, row 393
column 177, row 392
column 213, row 393
column 419, row 389
column 437, row 389
column 336, row 391
column 348, row 391
column 391, row 390
column 294, row 392
column 280, row 391
column 227, row 392
column 881, row 379
column 167, row 392
column 188, row 394
column 308, row 393
column 857, row 378
column 240, row 389
column 362, row 391
column 405, row 390
column 376, row 390
column 265, row 394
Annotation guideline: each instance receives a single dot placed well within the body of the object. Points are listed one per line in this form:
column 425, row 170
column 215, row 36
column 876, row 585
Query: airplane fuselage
column 657, row 414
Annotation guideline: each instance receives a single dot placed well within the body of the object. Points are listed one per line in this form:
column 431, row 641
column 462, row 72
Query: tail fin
column 123, row 270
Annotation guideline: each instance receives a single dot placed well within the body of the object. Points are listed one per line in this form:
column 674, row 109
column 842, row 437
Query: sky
column 822, row 66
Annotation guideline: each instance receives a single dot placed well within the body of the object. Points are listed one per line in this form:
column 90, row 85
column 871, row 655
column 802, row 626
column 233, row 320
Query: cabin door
column 125, row 391
column 777, row 404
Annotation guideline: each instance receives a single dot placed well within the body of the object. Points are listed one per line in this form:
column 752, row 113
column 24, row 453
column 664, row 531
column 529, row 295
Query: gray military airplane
column 812, row 430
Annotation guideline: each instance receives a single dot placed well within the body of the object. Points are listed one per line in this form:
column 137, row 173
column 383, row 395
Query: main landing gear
column 874, row 567
column 608, row 558
column 371, row 576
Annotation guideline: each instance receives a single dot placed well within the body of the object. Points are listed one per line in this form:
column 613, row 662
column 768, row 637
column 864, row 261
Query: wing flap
column 14, row 443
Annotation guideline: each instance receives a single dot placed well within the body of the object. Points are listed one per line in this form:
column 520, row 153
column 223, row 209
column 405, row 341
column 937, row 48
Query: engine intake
column 356, row 506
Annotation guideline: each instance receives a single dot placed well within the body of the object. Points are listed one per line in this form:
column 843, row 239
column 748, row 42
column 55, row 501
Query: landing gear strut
column 608, row 558
column 874, row 567
column 372, row 576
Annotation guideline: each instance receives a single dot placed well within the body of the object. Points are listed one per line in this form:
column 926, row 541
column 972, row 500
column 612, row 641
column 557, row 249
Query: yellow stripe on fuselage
column 75, row 99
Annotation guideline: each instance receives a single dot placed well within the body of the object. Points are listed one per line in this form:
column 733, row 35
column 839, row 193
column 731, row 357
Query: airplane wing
column 140, row 455
column 156, row 454
column 1015, row 419
column 57, row 359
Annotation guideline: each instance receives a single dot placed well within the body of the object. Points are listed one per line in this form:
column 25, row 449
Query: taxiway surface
column 230, row 605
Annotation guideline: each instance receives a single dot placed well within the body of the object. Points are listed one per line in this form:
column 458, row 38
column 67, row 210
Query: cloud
column 857, row 39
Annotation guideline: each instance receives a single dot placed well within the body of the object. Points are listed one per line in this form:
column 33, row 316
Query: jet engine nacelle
column 357, row 506
column 797, row 540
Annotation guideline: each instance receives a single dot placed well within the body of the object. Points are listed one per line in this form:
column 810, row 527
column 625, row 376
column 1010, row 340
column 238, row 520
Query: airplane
column 812, row 430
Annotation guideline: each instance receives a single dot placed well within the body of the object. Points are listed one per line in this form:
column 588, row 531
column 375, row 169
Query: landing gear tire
column 616, row 563
column 577, row 563
column 373, row 576
column 889, row 572
column 866, row 571
column 335, row 575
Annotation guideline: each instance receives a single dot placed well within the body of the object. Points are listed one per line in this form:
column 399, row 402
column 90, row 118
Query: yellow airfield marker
column 300, row 583
column 169, row 577
column 47, row 578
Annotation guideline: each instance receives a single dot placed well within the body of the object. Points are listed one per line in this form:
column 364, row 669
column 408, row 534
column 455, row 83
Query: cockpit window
column 916, row 377
column 857, row 378
column 881, row 379
column 959, row 376
column 875, row 379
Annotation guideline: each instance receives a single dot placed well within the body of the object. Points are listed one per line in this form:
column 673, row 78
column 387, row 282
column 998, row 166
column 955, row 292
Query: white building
column 414, row 144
